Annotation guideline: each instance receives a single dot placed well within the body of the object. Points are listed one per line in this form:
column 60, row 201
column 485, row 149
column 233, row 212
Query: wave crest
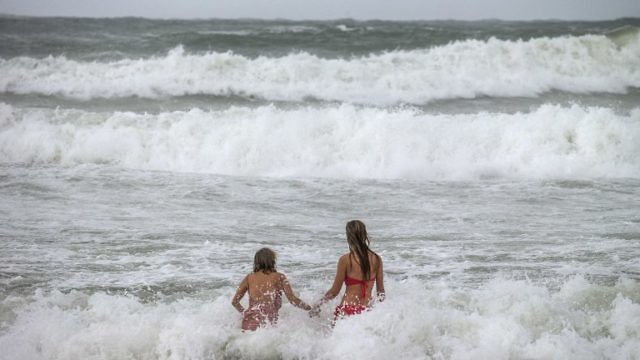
column 344, row 142
column 464, row 69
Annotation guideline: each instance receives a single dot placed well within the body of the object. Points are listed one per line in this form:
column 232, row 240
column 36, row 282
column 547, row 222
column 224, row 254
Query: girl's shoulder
column 262, row 277
column 345, row 260
column 279, row 277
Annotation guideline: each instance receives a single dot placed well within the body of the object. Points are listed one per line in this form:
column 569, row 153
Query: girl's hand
column 315, row 311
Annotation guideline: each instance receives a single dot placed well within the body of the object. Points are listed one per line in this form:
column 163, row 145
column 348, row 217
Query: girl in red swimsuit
column 265, row 286
column 357, row 269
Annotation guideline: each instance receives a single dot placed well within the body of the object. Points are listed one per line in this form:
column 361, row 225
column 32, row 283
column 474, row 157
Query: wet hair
column 359, row 245
column 264, row 260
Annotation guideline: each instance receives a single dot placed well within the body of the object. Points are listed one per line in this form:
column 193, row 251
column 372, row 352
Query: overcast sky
column 332, row 9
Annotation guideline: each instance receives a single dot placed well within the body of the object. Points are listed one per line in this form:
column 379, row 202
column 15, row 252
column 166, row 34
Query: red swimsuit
column 363, row 284
column 352, row 309
column 261, row 314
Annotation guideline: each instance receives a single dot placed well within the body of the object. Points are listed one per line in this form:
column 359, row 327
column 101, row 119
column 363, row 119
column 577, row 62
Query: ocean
column 143, row 162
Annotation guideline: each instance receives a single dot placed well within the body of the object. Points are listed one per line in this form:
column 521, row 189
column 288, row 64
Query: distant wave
column 341, row 141
column 624, row 35
column 465, row 69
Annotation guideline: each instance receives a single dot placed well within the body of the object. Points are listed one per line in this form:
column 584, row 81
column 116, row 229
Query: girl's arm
column 293, row 299
column 341, row 272
column 242, row 289
column 380, row 281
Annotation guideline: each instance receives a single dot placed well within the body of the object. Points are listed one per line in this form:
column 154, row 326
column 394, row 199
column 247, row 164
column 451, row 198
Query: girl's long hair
column 359, row 245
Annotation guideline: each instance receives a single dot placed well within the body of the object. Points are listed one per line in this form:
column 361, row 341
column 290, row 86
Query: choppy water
column 143, row 162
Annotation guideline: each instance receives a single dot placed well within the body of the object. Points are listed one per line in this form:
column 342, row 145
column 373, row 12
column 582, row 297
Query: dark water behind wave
column 118, row 38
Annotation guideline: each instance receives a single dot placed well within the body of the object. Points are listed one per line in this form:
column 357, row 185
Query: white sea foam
column 464, row 69
column 345, row 28
column 503, row 319
column 279, row 29
column 343, row 141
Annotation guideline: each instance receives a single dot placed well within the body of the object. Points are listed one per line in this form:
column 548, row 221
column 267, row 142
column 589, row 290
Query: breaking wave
column 463, row 69
column 335, row 141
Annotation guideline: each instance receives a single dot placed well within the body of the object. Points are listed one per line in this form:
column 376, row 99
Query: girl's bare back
column 353, row 293
column 265, row 298
column 264, row 287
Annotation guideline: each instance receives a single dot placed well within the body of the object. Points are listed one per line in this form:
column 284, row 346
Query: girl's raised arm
column 242, row 289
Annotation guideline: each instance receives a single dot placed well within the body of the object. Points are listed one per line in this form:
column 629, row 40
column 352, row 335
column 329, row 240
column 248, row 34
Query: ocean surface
column 143, row 162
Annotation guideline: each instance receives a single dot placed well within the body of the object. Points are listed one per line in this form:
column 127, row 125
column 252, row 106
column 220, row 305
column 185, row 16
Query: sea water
column 143, row 162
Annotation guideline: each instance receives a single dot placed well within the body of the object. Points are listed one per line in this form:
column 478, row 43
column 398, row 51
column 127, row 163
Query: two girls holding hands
column 358, row 269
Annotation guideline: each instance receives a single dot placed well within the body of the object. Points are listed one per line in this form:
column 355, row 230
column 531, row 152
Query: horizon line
column 9, row 15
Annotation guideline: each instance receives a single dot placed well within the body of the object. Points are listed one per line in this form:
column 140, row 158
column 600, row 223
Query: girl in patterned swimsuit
column 265, row 286
column 357, row 269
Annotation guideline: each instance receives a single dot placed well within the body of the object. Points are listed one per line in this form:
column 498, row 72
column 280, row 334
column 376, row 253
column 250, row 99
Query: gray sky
column 332, row 9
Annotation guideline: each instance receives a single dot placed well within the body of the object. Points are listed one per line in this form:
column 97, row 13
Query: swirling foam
column 503, row 319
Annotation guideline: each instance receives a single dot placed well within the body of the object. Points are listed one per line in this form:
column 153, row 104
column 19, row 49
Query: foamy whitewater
column 143, row 162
